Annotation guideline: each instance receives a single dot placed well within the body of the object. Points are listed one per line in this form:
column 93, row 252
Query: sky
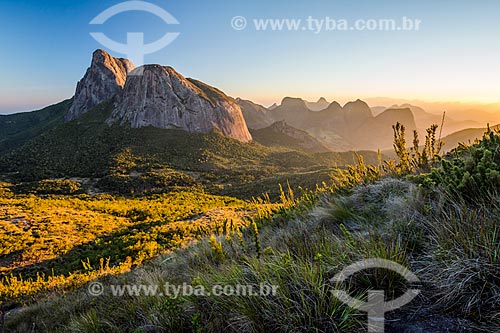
column 46, row 47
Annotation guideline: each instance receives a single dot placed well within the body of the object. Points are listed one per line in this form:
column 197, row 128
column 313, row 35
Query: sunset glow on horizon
column 452, row 57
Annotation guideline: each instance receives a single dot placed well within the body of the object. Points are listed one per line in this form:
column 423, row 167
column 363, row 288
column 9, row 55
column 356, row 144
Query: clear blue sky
column 46, row 48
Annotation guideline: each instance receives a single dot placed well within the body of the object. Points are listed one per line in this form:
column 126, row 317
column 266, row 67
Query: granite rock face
column 160, row 97
column 156, row 96
column 104, row 78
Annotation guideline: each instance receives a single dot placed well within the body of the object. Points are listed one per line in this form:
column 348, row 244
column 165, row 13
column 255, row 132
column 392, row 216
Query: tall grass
column 463, row 258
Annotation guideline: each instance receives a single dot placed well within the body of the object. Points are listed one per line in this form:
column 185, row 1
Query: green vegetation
column 22, row 127
column 387, row 218
column 416, row 158
column 437, row 216
column 469, row 172
column 50, row 186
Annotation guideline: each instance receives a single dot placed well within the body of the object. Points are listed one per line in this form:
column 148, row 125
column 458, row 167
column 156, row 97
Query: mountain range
column 459, row 111
column 357, row 126
column 131, row 130
column 168, row 120
column 340, row 128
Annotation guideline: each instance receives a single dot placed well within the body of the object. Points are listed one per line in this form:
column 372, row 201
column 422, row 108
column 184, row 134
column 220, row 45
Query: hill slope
column 17, row 129
column 280, row 134
column 85, row 147
column 466, row 136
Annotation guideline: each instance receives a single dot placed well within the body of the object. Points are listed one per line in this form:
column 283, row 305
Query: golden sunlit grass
column 43, row 240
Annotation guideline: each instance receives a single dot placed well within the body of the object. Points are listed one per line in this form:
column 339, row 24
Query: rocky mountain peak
column 320, row 105
column 157, row 96
column 160, row 97
column 357, row 104
column 334, row 106
column 116, row 65
column 403, row 115
column 357, row 112
column 104, row 78
column 291, row 102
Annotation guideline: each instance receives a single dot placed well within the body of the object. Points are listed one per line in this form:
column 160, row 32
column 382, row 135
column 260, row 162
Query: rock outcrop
column 272, row 107
column 104, row 78
column 156, row 96
column 160, row 97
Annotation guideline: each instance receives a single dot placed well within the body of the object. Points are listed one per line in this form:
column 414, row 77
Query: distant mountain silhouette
column 280, row 134
column 319, row 105
column 352, row 126
column 424, row 119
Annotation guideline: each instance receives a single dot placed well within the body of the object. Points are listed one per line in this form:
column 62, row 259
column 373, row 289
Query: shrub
column 469, row 172
column 51, row 186
column 416, row 158
column 356, row 174
column 152, row 181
